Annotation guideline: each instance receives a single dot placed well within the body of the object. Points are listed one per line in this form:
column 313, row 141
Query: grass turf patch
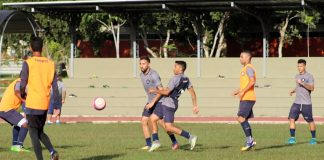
column 85, row 141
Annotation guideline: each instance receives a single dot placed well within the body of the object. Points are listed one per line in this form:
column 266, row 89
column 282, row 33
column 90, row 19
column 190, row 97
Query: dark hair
column 183, row 64
column 301, row 61
column 145, row 58
column 247, row 52
column 36, row 44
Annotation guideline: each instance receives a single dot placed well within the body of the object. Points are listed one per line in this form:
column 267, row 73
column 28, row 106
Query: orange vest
column 244, row 81
column 10, row 100
column 40, row 78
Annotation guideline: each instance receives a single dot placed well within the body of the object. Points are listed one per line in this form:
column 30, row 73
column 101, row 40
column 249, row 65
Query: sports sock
column 185, row 134
column 148, row 141
column 173, row 139
column 292, row 132
column 15, row 133
column 246, row 128
column 155, row 136
column 22, row 135
column 313, row 134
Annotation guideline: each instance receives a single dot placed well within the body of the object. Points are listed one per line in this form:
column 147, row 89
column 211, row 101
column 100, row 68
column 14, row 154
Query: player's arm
column 236, row 92
column 155, row 99
column 17, row 91
column 309, row 85
column 194, row 99
column 23, row 80
column 292, row 92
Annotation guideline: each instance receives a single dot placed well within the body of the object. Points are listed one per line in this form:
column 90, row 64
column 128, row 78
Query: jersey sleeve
column 174, row 82
column 311, row 80
column 156, row 79
column 250, row 72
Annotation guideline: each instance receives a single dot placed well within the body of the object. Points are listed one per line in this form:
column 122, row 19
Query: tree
column 220, row 33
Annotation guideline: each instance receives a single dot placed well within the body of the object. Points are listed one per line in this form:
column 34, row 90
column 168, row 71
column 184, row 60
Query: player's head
column 144, row 63
column 36, row 44
column 179, row 67
column 245, row 57
column 301, row 65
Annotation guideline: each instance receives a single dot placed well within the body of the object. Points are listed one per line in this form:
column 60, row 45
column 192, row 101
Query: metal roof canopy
column 251, row 7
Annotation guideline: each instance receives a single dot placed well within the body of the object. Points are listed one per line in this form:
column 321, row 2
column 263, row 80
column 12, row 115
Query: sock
column 313, row 134
column 155, row 136
column 249, row 139
column 173, row 139
column 246, row 128
column 22, row 135
column 148, row 141
column 185, row 134
column 15, row 133
column 292, row 132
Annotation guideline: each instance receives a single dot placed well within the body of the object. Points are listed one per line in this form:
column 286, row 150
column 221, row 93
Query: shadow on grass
column 69, row 146
column 103, row 157
column 278, row 146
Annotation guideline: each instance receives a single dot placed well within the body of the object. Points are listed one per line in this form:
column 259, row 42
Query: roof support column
column 264, row 38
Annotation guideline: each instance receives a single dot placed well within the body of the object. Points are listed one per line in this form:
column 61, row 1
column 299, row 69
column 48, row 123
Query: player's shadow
column 69, row 146
column 279, row 146
column 198, row 148
column 103, row 157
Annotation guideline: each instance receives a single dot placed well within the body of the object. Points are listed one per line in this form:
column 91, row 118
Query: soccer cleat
column 58, row 122
column 54, row 156
column 145, row 148
column 49, row 122
column 292, row 140
column 155, row 145
column 313, row 141
column 175, row 146
column 248, row 146
column 192, row 141
column 18, row 148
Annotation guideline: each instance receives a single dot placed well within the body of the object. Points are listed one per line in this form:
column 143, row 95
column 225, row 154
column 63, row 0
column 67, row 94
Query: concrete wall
column 212, row 67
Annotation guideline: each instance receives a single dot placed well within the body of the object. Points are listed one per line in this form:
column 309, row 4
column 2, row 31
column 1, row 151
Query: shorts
column 245, row 109
column 13, row 118
column 168, row 114
column 36, row 121
column 148, row 112
column 305, row 110
column 52, row 107
column 158, row 110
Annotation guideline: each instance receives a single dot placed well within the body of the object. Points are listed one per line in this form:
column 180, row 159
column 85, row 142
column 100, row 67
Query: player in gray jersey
column 177, row 85
column 303, row 103
column 150, row 78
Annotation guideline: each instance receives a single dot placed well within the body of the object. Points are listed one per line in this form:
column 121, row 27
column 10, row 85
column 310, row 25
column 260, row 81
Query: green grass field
column 123, row 140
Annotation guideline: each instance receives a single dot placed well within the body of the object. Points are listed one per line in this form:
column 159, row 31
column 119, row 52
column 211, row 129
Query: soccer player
column 247, row 98
column 57, row 109
column 150, row 78
column 169, row 104
column 303, row 103
column 39, row 74
column 9, row 104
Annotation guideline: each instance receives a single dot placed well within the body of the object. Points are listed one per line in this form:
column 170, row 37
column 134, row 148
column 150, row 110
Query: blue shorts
column 12, row 117
column 148, row 112
column 245, row 109
column 52, row 107
column 166, row 113
column 305, row 110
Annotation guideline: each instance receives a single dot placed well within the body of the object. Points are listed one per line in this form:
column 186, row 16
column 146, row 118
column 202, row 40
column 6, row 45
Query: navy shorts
column 245, row 109
column 52, row 107
column 168, row 114
column 12, row 117
column 158, row 110
column 36, row 121
column 148, row 112
column 305, row 110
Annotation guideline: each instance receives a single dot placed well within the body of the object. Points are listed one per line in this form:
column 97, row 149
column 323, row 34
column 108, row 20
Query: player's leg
column 19, row 129
column 33, row 127
column 58, row 115
column 155, row 137
column 293, row 117
column 246, row 112
column 175, row 144
column 307, row 113
column 158, row 111
column 146, row 127
column 169, row 125
column 45, row 139
column 50, row 113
